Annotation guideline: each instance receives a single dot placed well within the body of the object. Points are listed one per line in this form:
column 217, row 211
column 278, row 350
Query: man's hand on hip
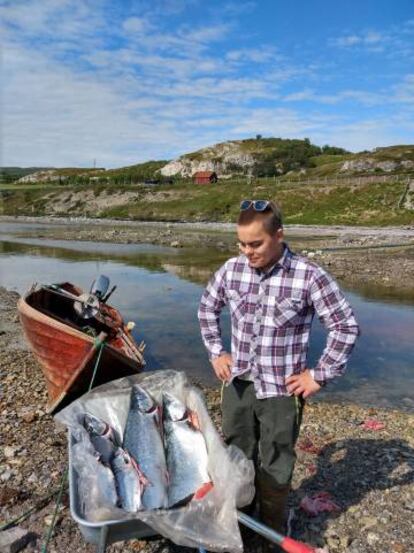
column 222, row 366
column 302, row 384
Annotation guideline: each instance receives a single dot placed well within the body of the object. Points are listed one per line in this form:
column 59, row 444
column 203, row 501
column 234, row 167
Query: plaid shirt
column 271, row 316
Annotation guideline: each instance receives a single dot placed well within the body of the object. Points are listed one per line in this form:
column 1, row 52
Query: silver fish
column 144, row 442
column 102, row 436
column 129, row 481
column 106, row 487
column 186, row 450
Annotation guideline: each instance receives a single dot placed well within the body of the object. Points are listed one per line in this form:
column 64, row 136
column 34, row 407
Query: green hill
column 10, row 174
column 314, row 186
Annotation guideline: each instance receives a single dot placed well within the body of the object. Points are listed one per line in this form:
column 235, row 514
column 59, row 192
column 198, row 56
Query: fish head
column 141, row 400
column 121, row 458
column 94, row 425
column 173, row 408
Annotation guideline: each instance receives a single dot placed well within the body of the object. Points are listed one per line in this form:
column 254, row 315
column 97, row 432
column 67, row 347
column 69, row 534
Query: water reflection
column 159, row 288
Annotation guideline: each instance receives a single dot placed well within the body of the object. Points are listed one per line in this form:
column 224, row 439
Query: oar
column 286, row 543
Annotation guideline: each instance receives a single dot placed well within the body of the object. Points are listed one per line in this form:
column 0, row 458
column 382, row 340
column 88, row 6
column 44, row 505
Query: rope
column 98, row 344
column 39, row 505
column 222, row 391
column 58, row 502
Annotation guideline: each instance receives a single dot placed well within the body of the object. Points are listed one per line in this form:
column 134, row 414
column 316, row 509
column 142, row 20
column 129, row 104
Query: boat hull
column 68, row 355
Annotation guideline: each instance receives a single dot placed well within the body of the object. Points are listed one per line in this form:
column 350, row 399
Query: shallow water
column 159, row 288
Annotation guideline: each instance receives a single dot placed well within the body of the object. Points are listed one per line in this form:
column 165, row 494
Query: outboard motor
column 100, row 287
column 88, row 306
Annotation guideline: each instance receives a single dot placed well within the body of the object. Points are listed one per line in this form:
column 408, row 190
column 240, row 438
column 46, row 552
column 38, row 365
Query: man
column 272, row 295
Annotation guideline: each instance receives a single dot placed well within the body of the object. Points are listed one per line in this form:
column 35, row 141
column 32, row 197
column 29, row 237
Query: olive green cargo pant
column 266, row 430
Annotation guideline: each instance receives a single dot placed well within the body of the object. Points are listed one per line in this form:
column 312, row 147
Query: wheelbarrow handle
column 287, row 544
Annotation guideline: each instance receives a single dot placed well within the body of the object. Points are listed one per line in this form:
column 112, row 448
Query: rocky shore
column 361, row 460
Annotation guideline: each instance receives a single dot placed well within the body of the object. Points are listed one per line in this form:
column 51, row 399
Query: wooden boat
column 64, row 328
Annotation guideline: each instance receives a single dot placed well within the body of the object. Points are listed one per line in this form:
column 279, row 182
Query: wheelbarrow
column 104, row 533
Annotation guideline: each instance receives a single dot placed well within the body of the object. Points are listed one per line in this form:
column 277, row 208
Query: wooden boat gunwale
column 26, row 309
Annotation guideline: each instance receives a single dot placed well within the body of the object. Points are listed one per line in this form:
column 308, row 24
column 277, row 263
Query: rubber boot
column 272, row 502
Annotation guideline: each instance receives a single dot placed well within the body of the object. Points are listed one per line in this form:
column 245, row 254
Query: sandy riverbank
column 368, row 473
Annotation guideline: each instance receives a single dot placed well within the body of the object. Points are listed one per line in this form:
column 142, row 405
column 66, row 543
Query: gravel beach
column 367, row 473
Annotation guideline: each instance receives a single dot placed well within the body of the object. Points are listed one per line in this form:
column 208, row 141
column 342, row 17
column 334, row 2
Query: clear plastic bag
column 210, row 522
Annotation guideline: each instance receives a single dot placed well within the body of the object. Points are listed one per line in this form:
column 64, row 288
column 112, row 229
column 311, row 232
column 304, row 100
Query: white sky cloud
column 82, row 84
column 394, row 41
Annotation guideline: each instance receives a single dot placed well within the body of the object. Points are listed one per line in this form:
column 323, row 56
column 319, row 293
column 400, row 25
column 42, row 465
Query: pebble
column 33, row 478
column 6, row 475
column 29, row 417
column 344, row 541
column 372, row 538
column 368, row 522
column 9, row 452
column 14, row 539
column 49, row 519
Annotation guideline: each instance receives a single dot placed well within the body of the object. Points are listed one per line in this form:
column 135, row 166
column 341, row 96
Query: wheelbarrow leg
column 102, row 540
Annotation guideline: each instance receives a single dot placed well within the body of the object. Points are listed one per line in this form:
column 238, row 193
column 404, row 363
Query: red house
column 204, row 177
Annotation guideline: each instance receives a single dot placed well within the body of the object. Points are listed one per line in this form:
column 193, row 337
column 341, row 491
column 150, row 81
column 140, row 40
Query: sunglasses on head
column 258, row 205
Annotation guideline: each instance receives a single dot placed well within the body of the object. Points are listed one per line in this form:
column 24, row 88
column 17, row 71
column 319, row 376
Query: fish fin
column 203, row 490
column 182, row 502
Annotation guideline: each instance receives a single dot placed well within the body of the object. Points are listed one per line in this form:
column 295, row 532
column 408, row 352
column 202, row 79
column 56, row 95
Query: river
column 159, row 289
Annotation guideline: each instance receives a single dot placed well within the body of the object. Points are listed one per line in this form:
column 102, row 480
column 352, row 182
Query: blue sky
column 122, row 82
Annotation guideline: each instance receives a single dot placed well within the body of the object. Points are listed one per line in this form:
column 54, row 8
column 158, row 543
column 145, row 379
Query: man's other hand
column 222, row 366
column 302, row 384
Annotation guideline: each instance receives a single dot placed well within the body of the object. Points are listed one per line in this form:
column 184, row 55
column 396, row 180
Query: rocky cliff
column 275, row 156
column 225, row 158
column 370, row 165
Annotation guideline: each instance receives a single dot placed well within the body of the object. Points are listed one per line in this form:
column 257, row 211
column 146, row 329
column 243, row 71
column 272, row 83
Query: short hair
column 271, row 217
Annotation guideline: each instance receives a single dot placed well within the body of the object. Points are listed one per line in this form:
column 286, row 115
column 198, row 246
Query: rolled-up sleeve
column 211, row 304
column 337, row 317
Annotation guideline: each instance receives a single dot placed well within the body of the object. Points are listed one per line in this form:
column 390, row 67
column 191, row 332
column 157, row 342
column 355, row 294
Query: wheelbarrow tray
column 107, row 531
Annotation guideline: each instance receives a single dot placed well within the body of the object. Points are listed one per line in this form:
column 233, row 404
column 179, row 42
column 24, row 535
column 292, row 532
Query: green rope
column 58, row 501
column 100, row 345
column 39, row 505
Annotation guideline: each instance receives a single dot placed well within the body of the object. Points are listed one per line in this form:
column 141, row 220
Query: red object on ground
column 312, row 468
column 308, row 446
column 372, row 424
column 293, row 546
column 318, row 503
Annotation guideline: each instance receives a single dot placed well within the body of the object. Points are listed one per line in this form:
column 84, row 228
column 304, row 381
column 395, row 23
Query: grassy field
column 373, row 204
